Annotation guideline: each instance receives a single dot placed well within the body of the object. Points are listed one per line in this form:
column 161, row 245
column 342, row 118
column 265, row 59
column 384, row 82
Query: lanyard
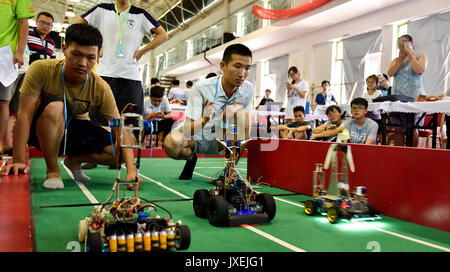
column 215, row 95
column 121, row 29
column 360, row 131
column 66, row 123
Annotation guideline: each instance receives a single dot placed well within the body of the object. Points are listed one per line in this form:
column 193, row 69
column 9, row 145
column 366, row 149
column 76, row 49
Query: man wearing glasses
column 363, row 130
column 40, row 44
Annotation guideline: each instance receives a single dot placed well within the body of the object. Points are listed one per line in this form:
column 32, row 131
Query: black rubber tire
column 94, row 240
column 217, row 209
column 310, row 207
column 333, row 215
column 182, row 237
column 268, row 204
column 200, row 202
column 372, row 211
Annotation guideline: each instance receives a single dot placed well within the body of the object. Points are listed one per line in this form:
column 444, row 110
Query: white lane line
column 414, row 240
column 83, row 188
column 273, row 238
column 262, row 233
column 378, row 229
column 164, row 186
column 279, row 199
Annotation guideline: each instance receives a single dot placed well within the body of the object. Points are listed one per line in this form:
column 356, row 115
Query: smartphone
column 408, row 45
column 401, row 46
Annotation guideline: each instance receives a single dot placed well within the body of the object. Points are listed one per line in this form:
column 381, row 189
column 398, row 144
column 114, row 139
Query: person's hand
column 409, row 52
column 18, row 58
column 230, row 111
column 208, row 109
column 14, row 168
column 160, row 115
column 402, row 55
column 138, row 55
column 131, row 175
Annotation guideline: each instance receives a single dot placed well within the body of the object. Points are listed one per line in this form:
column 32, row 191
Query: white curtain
column 279, row 67
column 431, row 36
column 356, row 50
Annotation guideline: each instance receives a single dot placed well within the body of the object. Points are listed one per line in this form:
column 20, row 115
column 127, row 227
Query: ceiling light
column 69, row 12
column 66, row 23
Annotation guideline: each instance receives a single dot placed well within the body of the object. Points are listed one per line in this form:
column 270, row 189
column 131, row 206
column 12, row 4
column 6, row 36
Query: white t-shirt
column 139, row 23
column 369, row 97
column 295, row 100
column 164, row 107
column 206, row 90
column 177, row 93
column 186, row 94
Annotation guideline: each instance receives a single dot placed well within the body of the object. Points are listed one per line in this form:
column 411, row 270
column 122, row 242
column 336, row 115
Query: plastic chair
column 428, row 122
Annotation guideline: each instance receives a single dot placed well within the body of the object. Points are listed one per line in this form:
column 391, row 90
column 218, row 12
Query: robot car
column 125, row 225
column 338, row 202
column 233, row 201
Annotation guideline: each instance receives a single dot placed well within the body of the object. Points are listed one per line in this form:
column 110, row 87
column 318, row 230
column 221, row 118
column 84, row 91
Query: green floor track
column 291, row 230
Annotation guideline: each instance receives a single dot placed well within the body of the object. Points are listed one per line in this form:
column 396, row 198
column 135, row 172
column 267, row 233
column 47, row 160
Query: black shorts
column 83, row 136
column 127, row 91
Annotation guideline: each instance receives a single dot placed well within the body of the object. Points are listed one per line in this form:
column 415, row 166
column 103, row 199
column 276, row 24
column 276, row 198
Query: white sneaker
column 78, row 175
column 53, row 184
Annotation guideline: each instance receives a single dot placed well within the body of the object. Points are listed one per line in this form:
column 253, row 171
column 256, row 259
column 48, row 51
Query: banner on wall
column 272, row 14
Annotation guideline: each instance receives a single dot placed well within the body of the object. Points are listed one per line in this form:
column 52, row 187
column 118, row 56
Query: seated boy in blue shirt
column 324, row 97
column 299, row 129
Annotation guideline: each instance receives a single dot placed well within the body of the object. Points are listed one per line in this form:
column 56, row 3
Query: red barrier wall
column 15, row 220
column 410, row 184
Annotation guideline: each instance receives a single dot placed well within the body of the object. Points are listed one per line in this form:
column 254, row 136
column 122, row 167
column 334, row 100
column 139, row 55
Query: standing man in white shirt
column 123, row 27
column 209, row 101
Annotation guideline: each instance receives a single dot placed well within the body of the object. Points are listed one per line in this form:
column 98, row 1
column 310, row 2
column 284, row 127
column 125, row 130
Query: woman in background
column 297, row 91
column 407, row 69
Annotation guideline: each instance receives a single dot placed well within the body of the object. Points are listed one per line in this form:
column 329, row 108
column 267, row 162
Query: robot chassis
column 338, row 202
column 233, row 202
column 124, row 225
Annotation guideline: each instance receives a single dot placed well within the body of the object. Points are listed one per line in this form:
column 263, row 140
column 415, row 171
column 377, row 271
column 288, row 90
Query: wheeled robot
column 126, row 224
column 338, row 202
column 233, row 201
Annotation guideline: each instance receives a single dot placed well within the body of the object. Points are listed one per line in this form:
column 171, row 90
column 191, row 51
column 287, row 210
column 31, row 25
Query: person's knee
column 52, row 114
column 172, row 144
column 176, row 147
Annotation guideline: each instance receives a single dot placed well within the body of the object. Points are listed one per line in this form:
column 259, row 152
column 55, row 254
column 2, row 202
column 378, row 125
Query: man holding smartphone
column 157, row 109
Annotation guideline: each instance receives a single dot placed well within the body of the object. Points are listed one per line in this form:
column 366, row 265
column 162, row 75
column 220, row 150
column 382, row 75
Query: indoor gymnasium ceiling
column 170, row 13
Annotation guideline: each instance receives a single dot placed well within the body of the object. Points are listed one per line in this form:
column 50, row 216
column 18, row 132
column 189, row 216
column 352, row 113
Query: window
column 338, row 88
column 402, row 29
column 269, row 81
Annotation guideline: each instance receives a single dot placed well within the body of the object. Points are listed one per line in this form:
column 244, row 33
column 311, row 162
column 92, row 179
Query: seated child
column 332, row 127
column 372, row 92
column 362, row 130
column 299, row 129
